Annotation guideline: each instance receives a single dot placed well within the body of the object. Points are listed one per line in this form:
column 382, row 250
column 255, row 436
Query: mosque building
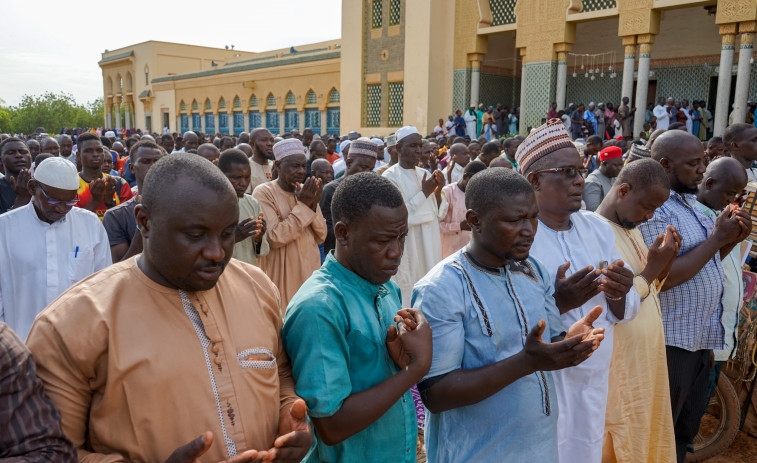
column 412, row 62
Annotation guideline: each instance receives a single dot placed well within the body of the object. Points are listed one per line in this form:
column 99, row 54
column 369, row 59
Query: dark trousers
column 688, row 375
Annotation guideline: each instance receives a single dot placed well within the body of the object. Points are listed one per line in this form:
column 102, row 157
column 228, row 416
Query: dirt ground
column 743, row 450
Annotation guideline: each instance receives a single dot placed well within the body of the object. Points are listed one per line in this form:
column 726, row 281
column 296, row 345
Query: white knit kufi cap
column 287, row 147
column 405, row 131
column 57, row 173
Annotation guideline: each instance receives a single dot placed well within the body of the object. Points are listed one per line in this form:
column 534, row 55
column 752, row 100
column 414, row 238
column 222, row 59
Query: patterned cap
column 363, row 148
column 547, row 139
column 639, row 152
column 287, row 147
column 611, row 152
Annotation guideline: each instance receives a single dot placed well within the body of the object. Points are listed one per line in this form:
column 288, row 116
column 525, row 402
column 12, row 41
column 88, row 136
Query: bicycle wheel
column 720, row 423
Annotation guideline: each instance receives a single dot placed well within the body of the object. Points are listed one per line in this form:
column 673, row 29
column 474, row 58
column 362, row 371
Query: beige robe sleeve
column 319, row 226
column 66, row 372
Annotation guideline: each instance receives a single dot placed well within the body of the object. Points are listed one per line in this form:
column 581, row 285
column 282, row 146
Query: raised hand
column 306, row 193
column 729, row 226
column 245, row 229
column 409, row 343
column 541, row 356
column 260, row 228
column 617, row 280
column 584, row 328
column 190, row 452
column 98, row 190
column 661, row 255
column 20, row 183
column 295, row 436
column 575, row 290
column 110, row 189
column 428, row 185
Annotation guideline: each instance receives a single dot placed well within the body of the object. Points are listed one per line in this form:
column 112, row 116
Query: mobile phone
column 602, row 264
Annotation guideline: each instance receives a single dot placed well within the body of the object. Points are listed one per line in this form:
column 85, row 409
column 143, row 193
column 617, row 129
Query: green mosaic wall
column 460, row 89
column 595, row 5
column 539, row 92
column 497, row 88
column 582, row 89
column 503, row 11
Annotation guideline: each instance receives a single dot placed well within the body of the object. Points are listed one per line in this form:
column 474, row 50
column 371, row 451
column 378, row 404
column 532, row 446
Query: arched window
column 182, row 106
column 237, row 102
column 334, row 96
column 271, row 100
column 195, row 106
column 290, row 99
column 311, row 98
column 253, row 101
column 208, row 106
column 221, row 103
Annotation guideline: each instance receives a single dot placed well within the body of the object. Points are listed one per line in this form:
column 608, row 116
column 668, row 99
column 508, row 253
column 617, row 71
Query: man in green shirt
column 352, row 364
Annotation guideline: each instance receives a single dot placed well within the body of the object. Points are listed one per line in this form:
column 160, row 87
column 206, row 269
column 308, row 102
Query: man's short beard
column 680, row 188
column 628, row 225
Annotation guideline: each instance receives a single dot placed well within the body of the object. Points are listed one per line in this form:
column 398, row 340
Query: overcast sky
column 50, row 45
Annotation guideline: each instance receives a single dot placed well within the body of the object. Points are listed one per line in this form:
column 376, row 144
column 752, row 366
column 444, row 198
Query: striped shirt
column 30, row 428
column 691, row 311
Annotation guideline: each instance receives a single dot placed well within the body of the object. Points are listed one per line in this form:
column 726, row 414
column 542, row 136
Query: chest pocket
column 80, row 264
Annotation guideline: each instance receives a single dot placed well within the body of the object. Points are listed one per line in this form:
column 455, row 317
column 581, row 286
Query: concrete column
column 246, row 121
column 282, row 123
column 127, row 115
column 109, row 116
column 642, row 84
column 722, row 106
column 215, row 120
column 118, row 114
column 562, row 79
column 742, row 74
column 629, row 60
column 302, row 121
column 522, row 126
column 202, row 123
column 324, row 122
column 475, row 82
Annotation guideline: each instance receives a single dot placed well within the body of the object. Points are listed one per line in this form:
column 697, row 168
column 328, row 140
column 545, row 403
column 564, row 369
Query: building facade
column 402, row 62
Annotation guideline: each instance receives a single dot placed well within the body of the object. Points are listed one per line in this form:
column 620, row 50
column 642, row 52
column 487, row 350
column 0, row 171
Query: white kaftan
column 582, row 390
column 423, row 245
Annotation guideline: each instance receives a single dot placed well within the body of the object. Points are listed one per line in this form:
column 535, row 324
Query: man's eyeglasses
column 54, row 202
column 569, row 172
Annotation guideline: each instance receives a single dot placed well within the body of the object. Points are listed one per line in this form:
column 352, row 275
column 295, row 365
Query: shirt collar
column 351, row 278
column 687, row 199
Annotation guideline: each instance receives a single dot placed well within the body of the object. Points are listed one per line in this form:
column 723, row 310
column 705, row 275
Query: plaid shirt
column 29, row 422
column 690, row 311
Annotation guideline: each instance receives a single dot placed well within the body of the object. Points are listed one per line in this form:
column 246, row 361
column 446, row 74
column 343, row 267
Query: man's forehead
column 14, row 146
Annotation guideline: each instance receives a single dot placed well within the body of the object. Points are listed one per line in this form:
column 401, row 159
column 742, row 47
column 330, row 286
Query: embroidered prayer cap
column 57, row 173
column 546, row 139
column 639, row 152
column 363, row 148
column 405, row 131
column 344, row 145
column 110, row 134
column 391, row 140
column 611, row 152
column 287, row 147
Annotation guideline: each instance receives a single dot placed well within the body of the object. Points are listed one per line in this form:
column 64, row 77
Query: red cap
column 611, row 152
column 619, row 137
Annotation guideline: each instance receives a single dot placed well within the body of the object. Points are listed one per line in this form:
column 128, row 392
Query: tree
column 53, row 112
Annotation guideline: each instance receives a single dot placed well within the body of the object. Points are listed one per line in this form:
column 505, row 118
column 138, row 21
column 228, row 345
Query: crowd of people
column 470, row 295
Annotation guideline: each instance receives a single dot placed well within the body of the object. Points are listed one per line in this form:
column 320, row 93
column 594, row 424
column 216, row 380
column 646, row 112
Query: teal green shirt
column 334, row 332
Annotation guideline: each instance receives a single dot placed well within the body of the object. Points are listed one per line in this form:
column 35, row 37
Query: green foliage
column 51, row 111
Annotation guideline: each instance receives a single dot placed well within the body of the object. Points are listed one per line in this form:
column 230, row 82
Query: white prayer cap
column 377, row 141
column 110, row 134
column 591, row 104
column 57, row 173
column 364, row 139
column 405, row 131
column 287, row 147
column 344, row 145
